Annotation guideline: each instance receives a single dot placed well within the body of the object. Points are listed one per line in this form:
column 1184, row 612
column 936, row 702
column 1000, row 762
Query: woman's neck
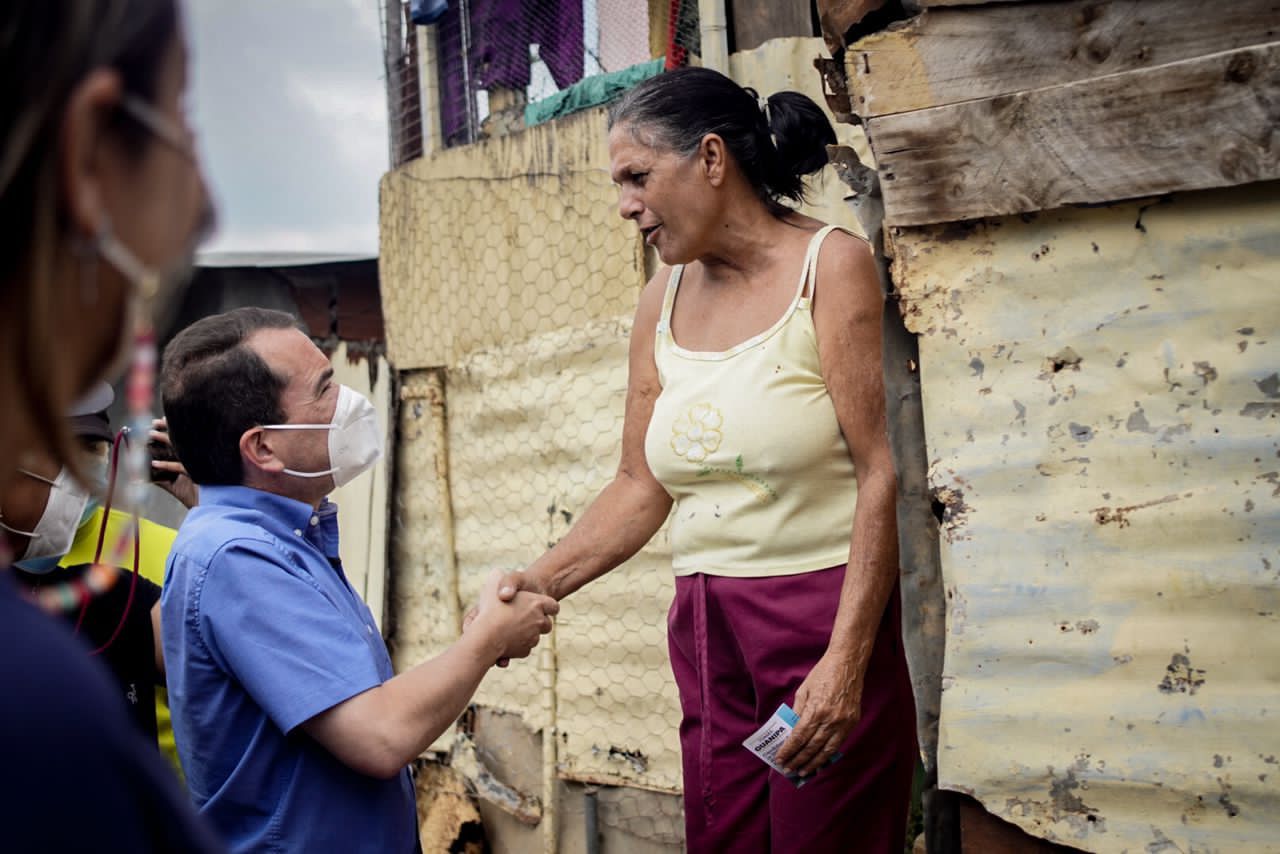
column 748, row 239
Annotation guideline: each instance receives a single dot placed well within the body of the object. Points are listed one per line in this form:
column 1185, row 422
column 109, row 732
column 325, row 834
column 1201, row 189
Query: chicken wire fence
column 459, row 71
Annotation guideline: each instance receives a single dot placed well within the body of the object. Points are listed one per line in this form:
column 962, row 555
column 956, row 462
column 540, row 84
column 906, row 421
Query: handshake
column 509, row 617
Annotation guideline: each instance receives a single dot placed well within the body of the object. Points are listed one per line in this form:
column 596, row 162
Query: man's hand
column 513, row 624
column 508, row 585
column 180, row 487
column 829, row 705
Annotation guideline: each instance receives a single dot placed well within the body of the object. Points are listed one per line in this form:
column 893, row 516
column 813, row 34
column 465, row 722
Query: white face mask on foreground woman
column 355, row 441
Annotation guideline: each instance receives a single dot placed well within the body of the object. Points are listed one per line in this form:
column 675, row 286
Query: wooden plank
column 754, row 22
column 1207, row 122
column 951, row 55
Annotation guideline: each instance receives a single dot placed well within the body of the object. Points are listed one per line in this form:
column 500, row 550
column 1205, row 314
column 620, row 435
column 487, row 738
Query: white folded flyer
column 768, row 740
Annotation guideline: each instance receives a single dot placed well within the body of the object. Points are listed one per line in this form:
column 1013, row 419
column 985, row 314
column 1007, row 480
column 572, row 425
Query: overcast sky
column 289, row 101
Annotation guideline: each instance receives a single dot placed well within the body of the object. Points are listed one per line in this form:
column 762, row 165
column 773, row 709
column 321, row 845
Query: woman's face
column 665, row 194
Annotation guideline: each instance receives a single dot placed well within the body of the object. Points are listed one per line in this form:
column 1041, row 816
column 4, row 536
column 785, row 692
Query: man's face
column 310, row 396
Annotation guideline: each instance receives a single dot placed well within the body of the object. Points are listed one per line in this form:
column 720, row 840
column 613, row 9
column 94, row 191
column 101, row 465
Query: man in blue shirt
column 293, row 730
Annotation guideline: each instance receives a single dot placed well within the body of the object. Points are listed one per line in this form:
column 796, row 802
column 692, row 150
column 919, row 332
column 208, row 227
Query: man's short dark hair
column 214, row 388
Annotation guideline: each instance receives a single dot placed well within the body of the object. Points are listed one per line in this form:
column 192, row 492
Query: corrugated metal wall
column 1101, row 405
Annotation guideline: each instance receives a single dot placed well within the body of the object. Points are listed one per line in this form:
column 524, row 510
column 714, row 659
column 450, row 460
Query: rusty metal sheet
column 1102, row 398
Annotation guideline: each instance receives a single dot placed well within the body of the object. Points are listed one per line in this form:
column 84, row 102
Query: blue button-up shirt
column 262, row 632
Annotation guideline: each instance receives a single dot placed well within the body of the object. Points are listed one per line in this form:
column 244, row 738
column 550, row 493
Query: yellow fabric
column 747, row 443
column 156, row 540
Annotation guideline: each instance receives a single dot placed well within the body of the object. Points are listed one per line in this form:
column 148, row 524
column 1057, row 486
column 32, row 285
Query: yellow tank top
column 747, row 443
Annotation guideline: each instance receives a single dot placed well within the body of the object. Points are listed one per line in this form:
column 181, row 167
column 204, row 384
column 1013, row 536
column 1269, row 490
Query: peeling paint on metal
column 1108, row 486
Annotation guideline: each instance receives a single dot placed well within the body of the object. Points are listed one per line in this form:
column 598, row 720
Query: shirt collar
column 295, row 514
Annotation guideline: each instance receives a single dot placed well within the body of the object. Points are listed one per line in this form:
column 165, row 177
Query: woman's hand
column 515, row 624
column 829, row 705
column 508, row 586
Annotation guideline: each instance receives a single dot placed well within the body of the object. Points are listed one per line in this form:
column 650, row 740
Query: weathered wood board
column 1208, row 122
column 952, row 55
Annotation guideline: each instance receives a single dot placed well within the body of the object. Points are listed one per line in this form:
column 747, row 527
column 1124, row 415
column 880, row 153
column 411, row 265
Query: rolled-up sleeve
column 291, row 647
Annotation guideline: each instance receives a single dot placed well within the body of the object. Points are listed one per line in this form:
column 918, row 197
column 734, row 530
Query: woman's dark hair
column 775, row 146
column 47, row 48
column 214, row 388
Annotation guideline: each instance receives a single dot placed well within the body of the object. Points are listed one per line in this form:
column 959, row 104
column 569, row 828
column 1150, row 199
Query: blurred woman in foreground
column 101, row 195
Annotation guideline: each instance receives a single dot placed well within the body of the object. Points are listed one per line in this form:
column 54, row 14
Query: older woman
column 756, row 408
column 99, row 191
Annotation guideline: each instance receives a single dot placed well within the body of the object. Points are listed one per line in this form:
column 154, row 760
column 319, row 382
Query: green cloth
column 591, row 92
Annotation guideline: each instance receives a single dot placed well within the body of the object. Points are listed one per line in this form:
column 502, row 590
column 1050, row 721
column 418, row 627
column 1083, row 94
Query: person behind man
column 293, row 730
column 56, row 526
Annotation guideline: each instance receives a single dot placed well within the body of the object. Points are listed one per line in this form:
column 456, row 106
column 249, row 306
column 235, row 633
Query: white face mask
column 56, row 530
column 355, row 441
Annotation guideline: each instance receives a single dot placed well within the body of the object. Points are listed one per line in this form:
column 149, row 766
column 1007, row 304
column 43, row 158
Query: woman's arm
column 848, row 314
column 633, row 506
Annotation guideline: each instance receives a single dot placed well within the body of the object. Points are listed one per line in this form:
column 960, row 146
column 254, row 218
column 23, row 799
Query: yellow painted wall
column 1103, row 422
column 499, row 241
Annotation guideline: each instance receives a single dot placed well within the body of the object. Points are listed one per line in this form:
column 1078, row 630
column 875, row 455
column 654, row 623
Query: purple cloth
column 739, row 648
column 501, row 33
column 453, row 91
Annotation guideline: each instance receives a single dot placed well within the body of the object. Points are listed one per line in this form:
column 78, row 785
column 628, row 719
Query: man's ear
column 713, row 155
column 257, row 451
column 83, row 140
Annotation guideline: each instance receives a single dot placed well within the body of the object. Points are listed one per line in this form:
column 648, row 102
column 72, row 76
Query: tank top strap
column 669, row 298
column 809, row 276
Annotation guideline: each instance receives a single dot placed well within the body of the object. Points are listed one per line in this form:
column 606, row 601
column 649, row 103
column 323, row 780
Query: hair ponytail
column 776, row 142
column 801, row 133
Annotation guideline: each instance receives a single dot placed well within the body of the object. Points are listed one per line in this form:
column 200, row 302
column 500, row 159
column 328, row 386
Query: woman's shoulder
column 840, row 240
column 845, row 245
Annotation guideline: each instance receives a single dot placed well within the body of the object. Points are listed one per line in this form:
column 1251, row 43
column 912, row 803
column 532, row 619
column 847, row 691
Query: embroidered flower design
column 696, row 434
